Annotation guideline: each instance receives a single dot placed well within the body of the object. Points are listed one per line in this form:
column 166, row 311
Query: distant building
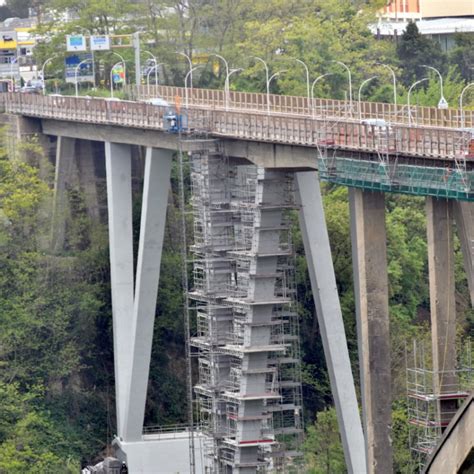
column 16, row 47
column 400, row 10
column 438, row 19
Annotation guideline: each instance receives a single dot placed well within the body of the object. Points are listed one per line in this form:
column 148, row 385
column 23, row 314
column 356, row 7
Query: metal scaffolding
column 425, row 392
column 249, row 389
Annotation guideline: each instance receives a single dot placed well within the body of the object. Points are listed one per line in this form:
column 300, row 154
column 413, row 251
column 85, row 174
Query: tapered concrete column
column 369, row 255
column 63, row 170
column 439, row 219
column 328, row 310
column 87, row 177
column 464, row 216
column 152, row 228
column 119, row 203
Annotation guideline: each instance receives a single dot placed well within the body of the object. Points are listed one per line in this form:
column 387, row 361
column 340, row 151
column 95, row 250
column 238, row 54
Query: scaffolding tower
column 249, row 389
column 425, row 392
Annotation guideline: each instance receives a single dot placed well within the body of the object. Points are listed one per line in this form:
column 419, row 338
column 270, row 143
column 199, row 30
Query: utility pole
column 138, row 69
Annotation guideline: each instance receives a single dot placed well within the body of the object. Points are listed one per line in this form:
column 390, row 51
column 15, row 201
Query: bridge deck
column 363, row 155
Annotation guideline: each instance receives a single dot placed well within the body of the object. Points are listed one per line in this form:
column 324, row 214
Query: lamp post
column 409, row 95
column 266, row 80
column 312, row 89
column 122, row 60
column 76, row 70
column 13, row 61
column 443, row 103
column 461, row 97
column 360, row 92
column 394, row 79
column 307, row 77
column 154, row 68
column 112, row 79
column 156, row 64
column 268, row 85
column 349, row 75
column 190, row 73
column 190, row 66
column 226, row 85
column 227, row 98
column 42, row 73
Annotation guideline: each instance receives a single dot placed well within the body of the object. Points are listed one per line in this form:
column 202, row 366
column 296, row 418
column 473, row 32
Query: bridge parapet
column 317, row 107
column 339, row 134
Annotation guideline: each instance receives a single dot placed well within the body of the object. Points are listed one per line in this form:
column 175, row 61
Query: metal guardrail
column 297, row 105
column 432, row 142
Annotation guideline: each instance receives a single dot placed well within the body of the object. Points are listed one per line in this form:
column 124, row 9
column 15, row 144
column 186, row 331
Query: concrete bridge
column 274, row 143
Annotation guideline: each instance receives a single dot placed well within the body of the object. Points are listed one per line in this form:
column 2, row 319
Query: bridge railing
column 298, row 105
column 276, row 128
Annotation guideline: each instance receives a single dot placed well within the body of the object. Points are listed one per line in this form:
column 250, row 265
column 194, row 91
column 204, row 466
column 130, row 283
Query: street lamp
column 360, row 92
column 76, row 70
column 190, row 66
column 156, row 64
column 349, row 75
column 408, row 98
column 190, row 73
column 268, row 85
column 111, row 77
column 124, row 67
column 13, row 61
column 226, row 85
column 312, row 89
column 442, row 104
column 461, row 97
column 42, row 72
column 307, row 76
column 394, row 78
column 227, row 99
column 267, row 81
column 154, row 68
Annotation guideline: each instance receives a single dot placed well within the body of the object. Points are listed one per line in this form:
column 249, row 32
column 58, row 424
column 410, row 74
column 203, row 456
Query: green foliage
column 414, row 50
column 323, row 447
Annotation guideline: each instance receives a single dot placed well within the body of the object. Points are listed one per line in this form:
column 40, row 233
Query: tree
column 323, row 447
column 414, row 50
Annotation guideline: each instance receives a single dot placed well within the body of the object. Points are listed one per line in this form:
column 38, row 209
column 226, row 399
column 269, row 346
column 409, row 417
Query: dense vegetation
column 56, row 362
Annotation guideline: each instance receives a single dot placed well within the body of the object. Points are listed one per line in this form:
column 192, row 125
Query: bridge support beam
column 464, row 216
column 328, row 310
column 65, row 150
column 118, row 162
column 134, row 308
column 439, row 214
column 152, row 229
column 369, row 254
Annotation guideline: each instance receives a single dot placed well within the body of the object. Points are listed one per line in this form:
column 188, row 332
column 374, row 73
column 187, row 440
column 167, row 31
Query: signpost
column 100, row 43
column 85, row 72
column 76, row 43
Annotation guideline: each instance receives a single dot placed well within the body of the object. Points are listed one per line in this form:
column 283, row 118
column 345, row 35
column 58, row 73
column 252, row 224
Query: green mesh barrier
column 400, row 178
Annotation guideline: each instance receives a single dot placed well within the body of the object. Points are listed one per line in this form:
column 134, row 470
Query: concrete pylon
column 65, row 153
column 464, row 216
column 440, row 219
column 134, row 307
column 328, row 310
column 369, row 255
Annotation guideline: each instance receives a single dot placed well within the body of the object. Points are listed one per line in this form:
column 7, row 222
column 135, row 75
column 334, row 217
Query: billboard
column 100, row 43
column 118, row 74
column 76, row 43
column 85, row 73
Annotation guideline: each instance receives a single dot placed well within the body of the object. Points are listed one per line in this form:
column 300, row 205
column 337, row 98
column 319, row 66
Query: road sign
column 76, row 43
column 100, row 43
column 85, row 72
column 443, row 103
